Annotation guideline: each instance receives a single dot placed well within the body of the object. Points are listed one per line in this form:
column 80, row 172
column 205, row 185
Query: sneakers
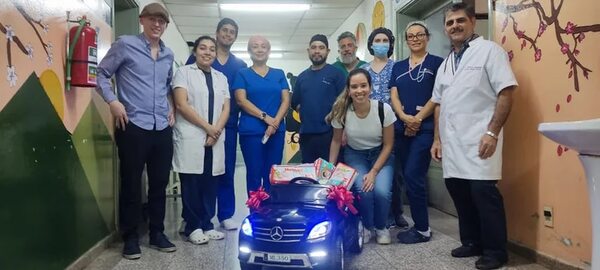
column 160, row 242
column 383, row 236
column 466, row 251
column 197, row 237
column 229, row 224
column 131, row 249
column 401, row 222
column 489, row 262
column 412, row 236
column 214, row 235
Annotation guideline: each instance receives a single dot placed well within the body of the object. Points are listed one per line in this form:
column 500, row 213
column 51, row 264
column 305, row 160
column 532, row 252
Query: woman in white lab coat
column 201, row 96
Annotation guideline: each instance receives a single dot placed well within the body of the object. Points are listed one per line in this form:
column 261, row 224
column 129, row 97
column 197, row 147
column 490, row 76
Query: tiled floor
column 223, row 254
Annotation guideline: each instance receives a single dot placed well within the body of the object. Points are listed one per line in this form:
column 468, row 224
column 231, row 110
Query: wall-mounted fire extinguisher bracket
column 81, row 55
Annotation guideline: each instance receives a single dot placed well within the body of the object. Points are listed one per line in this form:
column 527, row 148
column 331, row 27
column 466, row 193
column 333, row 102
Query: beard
column 347, row 59
column 316, row 61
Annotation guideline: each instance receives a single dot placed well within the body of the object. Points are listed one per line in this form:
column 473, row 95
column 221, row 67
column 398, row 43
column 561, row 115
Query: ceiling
column 288, row 32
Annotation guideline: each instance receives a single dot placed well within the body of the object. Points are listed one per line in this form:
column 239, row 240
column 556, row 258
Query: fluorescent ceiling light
column 265, row 7
column 245, row 55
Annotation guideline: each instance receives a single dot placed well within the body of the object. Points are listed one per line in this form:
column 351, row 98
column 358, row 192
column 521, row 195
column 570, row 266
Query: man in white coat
column 473, row 92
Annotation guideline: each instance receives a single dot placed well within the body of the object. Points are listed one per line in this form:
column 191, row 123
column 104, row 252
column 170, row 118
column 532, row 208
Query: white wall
column 362, row 14
column 171, row 37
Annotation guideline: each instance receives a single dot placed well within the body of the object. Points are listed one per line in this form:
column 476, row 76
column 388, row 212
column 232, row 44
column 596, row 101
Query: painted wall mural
column 552, row 45
column 57, row 153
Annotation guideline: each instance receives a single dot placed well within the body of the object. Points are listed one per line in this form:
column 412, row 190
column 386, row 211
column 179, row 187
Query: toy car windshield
column 300, row 190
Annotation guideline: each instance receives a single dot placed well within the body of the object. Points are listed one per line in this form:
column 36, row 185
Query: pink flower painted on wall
column 511, row 55
column 570, row 28
column 538, row 55
column 564, row 48
column 541, row 29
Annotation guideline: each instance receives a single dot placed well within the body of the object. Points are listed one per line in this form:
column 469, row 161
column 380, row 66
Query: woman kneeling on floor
column 201, row 96
column 369, row 128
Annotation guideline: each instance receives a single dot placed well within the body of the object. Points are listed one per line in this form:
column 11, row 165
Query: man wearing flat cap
column 315, row 91
column 143, row 114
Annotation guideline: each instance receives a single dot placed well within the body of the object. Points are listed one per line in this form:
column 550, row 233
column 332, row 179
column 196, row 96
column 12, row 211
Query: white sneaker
column 182, row 227
column 383, row 237
column 214, row 235
column 198, row 237
column 229, row 224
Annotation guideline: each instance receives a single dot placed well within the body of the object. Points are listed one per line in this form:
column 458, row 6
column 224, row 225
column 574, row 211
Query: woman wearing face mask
column 201, row 96
column 262, row 92
column 411, row 88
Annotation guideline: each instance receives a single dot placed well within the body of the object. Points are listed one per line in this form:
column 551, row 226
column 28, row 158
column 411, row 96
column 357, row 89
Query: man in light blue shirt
column 143, row 113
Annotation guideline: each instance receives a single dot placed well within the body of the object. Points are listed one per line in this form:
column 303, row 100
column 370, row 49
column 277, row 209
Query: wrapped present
column 343, row 175
column 282, row 174
column 323, row 170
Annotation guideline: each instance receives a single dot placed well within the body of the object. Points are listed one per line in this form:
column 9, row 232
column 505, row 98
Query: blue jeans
column 374, row 206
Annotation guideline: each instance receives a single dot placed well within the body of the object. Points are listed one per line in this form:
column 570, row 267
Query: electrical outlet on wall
column 548, row 216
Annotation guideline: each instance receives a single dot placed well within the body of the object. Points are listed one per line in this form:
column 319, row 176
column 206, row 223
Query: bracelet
column 491, row 134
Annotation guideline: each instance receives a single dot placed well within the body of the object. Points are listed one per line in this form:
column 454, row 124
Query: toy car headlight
column 319, row 230
column 247, row 227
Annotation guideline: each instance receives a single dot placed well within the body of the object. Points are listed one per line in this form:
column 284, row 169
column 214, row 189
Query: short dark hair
column 469, row 9
column 385, row 31
column 356, row 72
column 200, row 39
column 225, row 21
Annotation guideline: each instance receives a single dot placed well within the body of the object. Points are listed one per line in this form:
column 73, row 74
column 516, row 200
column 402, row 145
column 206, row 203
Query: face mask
column 380, row 49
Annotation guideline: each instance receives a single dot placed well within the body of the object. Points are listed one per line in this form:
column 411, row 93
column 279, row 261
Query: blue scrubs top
column 415, row 87
column 264, row 93
column 230, row 69
column 315, row 91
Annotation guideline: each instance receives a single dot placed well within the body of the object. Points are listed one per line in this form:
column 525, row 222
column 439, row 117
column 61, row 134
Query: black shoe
column 488, row 262
column 160, row 242
column 131, row 249
column 466, row 251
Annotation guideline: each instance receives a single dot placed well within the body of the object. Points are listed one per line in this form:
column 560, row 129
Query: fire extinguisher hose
column 82, row 23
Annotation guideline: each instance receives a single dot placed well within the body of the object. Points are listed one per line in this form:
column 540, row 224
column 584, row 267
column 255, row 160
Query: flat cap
column 155, row 9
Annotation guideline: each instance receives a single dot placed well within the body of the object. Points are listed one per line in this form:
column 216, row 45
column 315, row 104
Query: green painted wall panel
column 48, row 213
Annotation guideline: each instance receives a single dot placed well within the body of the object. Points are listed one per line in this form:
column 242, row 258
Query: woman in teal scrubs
column 262, row 93
column 411, row 88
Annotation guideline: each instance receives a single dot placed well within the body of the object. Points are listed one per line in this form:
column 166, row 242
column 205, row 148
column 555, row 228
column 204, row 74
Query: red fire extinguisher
column 82, row 58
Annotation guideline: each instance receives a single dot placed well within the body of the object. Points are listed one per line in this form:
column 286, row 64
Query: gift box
column 323, row 170
column 343, row 175
column 282, row 174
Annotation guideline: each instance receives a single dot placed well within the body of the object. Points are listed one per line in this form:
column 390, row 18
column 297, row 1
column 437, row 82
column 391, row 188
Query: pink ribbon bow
column 256, row 197
column 342, row 197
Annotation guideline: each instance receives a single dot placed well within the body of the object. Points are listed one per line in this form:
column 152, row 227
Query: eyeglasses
column 419, row 36
column 158, row 20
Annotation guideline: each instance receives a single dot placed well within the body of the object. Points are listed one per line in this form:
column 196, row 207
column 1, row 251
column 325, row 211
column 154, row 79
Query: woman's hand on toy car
column 369, row 181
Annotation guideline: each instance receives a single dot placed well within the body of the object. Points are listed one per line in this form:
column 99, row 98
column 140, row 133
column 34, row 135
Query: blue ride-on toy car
column 299, row 227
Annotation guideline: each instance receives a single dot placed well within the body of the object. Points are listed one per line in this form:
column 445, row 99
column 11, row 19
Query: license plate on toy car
column 284, row 258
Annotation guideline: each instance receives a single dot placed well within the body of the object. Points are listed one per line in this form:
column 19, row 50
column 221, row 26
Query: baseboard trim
column 94, row 252
column 544, row 260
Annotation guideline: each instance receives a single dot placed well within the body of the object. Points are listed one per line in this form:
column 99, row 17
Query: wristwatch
column 263, row 115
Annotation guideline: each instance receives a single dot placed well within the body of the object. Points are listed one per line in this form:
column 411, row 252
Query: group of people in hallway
column 384, row 118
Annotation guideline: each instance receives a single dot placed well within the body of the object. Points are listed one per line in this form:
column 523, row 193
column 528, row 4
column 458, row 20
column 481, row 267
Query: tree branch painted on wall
column 566, row 35
column 570, row 31
column 27, row 49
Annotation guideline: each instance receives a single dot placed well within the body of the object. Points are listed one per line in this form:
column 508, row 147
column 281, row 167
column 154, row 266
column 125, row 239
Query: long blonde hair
column 343, row 101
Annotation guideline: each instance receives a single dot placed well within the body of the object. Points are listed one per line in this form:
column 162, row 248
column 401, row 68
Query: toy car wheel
column 357, row 244
column 337, row 262
column 246, row 266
